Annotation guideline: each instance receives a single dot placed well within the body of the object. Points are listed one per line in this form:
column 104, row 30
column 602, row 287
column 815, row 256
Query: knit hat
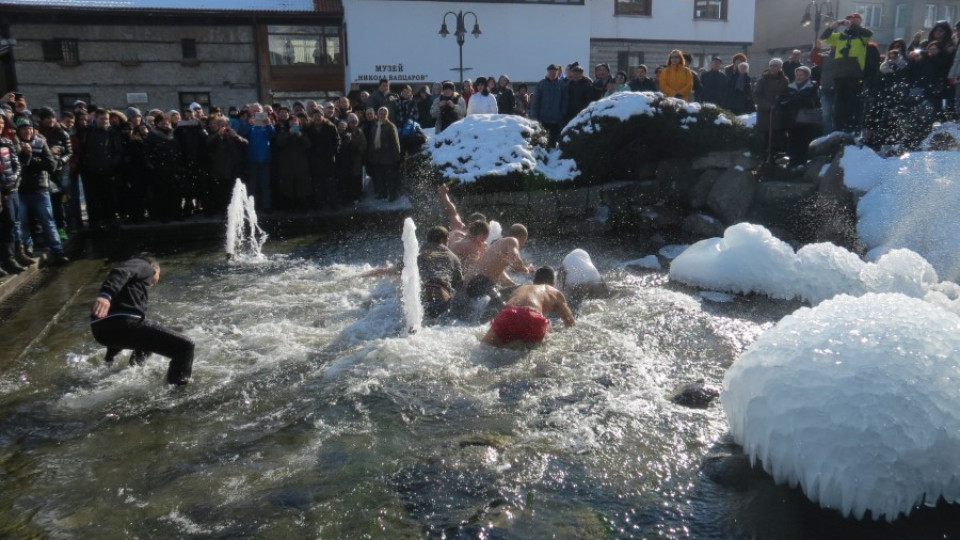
column 194, row 106
column 133, row 112
column 448, row 85
column 46, row 112
column 23, row 121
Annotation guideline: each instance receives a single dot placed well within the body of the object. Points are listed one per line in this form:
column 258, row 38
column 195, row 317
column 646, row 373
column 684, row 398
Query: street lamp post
column 461, row 32
column 814, row 13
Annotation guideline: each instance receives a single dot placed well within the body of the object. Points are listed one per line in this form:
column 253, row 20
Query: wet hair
column 438, row 235
column 478, row 228
column 544, row 276
column 477, row 216
column 517, row 231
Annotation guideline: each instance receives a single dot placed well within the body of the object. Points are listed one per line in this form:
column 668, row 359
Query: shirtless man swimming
column 470, row 248
column 522, row 318
column 491, row 270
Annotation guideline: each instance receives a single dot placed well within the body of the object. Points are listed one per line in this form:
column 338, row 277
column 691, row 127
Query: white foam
column 410, row 278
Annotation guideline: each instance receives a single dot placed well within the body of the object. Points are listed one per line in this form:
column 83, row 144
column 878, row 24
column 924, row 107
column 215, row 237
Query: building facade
column 400, row 39
column 780, row 30
column 627, row 33
column 168, row 53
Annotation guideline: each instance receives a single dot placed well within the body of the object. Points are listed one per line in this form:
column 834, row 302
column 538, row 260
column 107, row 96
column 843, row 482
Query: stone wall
column 120, row 59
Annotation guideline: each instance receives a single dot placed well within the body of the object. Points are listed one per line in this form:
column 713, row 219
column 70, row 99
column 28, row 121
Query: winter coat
column 714, row 87
column 379, row 99
column 292, row 152
column 851, row 43
column 260, row 139
column 482, row 104
column 766, row 94
column 580, row 93
column 192, row 138
column 389, row 151
column 423, row 112
column 406, row 110
column 36, row 166
column 739, row 96
column 445, row 115
column 676, row 81
column 9, row 166
column 930, row 74
column 797, row 98
column 547, row 104
column 646, row 85
column 506, row 102
column 102, row 151
column 226, row 156
column 161, row 155
column 57, row 137
column 358, row 144
column 325, row 142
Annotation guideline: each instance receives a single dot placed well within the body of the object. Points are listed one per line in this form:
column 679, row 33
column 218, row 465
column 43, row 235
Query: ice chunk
column 856, row 401
column 862, row 168
column 578, row 269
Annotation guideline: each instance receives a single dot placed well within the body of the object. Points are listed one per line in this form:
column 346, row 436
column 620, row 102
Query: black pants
column 99, row 192
column 148, row 336
column 846, row 111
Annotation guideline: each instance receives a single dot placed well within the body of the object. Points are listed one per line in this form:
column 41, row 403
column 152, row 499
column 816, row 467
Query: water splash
column 244, row 237
column 410, row 278
column 496, row 232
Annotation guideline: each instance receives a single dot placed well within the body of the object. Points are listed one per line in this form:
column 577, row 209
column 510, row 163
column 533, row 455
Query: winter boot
column 23, row 259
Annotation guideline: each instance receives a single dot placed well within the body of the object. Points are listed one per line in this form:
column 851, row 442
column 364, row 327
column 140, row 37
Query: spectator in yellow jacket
column 676, row 80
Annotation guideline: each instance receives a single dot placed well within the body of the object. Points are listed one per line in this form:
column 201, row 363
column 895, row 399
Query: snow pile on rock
column 484, row 145
column 749, row 259
column 856, row 401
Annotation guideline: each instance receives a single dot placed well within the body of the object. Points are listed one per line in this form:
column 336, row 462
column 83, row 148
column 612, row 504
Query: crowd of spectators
column 170, row 165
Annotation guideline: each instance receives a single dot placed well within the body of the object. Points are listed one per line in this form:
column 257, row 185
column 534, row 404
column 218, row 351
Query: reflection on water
column 313, row 413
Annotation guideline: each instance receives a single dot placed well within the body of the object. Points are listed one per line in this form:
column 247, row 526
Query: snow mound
column 747, row 120
column 914, row 206
column 483, row 145
column 749, row 259
column 855, row 400
column 621, row 106
column 862, row 168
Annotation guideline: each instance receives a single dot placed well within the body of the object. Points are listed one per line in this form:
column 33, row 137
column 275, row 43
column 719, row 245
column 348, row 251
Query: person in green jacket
column 849, row 40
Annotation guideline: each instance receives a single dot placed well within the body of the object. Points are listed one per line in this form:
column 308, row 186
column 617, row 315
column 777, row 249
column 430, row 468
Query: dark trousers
column 142, row 335
column 99, row 192
column 847, row 106
column 553, row 133
column 9, row 218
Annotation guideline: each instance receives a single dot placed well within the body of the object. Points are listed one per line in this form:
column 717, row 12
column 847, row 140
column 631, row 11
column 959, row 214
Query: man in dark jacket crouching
column 118, row 320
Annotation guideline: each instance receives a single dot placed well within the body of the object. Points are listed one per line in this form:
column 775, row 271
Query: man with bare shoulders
column 491, row 269
column 470, row 248
column 523, row 317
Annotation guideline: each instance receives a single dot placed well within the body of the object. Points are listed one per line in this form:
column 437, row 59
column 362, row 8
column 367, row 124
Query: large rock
column 676, row 177
column 830, row 145
column 732, row 195
column 723, row 160
column 814, row 168
column 702, row 226
column 700, row 190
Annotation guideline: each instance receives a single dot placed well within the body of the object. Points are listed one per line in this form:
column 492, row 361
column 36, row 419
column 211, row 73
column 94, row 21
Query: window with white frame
column 710, row 9
column 872, row 14
column 930, row 17
column 900, row 21
column 949, row 14
column 633, row 7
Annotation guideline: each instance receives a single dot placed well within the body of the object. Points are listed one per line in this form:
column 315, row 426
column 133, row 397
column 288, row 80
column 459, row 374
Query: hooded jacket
column 676, row 80
column 9, row 167
column 851, row 43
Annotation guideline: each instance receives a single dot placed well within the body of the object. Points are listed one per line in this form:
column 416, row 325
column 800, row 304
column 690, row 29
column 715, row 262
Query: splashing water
column 496, row 232
column 410, row 278
column 244, row 237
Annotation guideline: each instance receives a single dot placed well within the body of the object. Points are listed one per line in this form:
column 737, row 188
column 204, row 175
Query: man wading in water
column 118, row 320
column 491, row 270
column 522, row 318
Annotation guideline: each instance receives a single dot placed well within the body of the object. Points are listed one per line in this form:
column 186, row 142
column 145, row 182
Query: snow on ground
column 855, row 400
column 913, row 205
column 749, row 259
column 748, row 120
column 495, row 145
column 621, row 106
column 862, row 168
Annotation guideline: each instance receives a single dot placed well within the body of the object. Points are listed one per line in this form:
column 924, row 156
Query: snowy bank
column 490, row 145
column 855, row 400
column 749, row 259
column 911, row 202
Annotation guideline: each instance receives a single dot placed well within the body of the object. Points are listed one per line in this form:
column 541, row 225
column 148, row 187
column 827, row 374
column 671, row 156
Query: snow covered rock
column 856, row 401
column 496, row 145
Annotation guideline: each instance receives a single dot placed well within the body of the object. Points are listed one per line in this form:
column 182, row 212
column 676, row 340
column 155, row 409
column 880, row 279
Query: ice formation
column 578, row 269
column 749, row 259
column 856, row 401
column 495, row 145
column 911, row 202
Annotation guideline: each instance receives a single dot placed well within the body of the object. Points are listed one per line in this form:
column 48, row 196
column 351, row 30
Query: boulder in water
column 830, row 144
column 696, row 395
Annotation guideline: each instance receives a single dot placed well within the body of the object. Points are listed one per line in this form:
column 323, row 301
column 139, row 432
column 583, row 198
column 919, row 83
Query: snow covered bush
column 856, row 401
column 661, row 127
column 498, row 151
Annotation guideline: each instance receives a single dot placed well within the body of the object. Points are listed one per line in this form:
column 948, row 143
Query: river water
column 313, row 415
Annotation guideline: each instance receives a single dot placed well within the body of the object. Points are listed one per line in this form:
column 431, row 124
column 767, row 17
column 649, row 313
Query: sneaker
column 63, row 234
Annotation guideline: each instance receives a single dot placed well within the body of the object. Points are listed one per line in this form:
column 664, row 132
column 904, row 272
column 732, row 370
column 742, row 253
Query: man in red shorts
column 522, row 318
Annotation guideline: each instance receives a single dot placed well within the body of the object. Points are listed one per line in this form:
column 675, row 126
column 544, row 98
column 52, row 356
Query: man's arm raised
column 456, row 223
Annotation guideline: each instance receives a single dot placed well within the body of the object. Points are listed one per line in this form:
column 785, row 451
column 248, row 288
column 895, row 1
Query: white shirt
column 482, row 104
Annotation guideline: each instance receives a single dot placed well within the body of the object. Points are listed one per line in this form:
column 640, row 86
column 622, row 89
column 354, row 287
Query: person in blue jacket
column 260, row 132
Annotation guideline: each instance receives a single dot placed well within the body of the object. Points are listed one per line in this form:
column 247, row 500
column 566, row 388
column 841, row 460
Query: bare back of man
column 523, row 316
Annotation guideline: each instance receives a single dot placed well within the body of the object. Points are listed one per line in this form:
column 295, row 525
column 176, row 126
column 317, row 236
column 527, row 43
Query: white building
column 400, row 39
column 627, row 33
